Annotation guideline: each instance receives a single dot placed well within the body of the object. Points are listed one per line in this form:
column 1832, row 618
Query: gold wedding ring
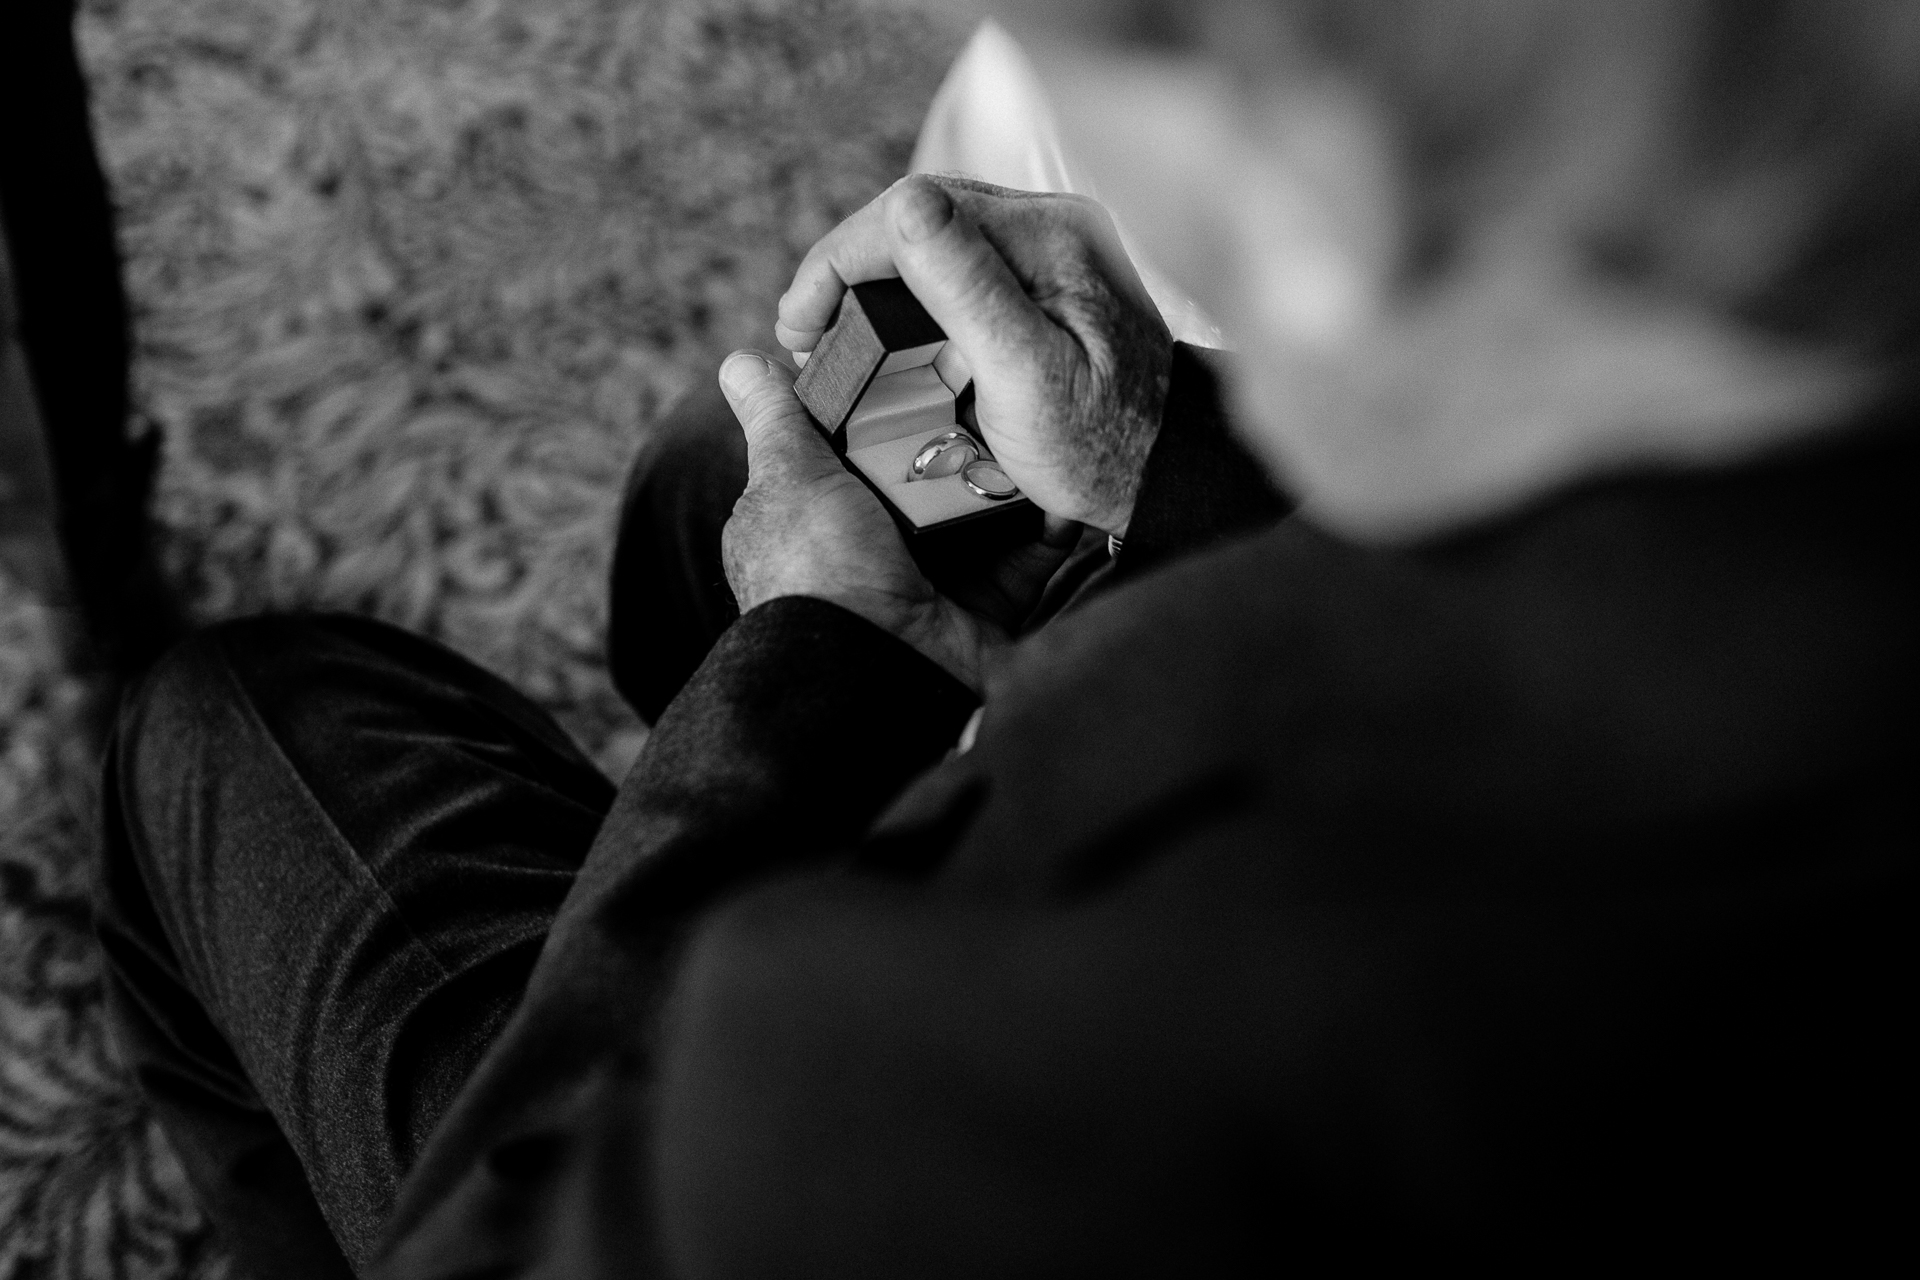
column 944, row 455
column 989, row 479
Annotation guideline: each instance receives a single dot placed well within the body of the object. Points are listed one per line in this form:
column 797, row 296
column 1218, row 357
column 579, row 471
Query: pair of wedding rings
column 957, row 453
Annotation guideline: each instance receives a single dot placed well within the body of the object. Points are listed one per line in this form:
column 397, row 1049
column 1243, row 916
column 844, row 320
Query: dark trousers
column 332, row 851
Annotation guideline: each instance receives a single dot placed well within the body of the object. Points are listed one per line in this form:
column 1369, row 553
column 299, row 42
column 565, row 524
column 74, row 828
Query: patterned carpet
column 411, row 280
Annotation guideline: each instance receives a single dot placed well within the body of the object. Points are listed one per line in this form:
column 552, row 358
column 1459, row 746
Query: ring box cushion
column 882, row 382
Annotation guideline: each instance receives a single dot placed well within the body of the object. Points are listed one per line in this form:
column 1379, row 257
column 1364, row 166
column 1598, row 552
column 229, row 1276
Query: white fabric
column 1520, row 384
column 991, row 121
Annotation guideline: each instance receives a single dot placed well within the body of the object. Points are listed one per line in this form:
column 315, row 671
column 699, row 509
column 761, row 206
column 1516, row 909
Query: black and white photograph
column 735, row 639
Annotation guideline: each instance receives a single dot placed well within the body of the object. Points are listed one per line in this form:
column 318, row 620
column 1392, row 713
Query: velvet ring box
column 881, row 384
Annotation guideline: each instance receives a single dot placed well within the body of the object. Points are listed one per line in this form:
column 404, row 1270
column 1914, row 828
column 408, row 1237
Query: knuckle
column 770, row 402
column 1085, row 213
column 1065, row 246
column 761, row 403
column 969, row 285
column 975, row 186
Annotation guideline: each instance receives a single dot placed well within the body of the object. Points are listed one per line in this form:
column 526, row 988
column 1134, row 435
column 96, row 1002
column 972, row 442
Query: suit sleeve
column 1200, row 485
column 801, row 723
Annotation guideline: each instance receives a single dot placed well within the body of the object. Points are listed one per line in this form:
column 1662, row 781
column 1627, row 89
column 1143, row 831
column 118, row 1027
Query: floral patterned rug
column 410, row 283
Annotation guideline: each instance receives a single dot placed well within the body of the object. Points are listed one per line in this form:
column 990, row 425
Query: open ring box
column 883, row 382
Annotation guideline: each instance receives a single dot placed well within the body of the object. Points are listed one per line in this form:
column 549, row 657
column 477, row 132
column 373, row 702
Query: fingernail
column 740, row 371
column 921, row 210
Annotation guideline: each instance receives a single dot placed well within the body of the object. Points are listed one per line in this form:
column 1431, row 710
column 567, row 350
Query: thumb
column 782, row 442
column 961, row 279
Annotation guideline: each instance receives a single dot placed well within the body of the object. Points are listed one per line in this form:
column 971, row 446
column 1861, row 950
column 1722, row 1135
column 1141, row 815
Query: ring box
column 880, row 385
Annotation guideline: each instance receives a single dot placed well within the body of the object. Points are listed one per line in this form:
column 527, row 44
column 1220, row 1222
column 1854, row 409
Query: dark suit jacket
column 1541, row 893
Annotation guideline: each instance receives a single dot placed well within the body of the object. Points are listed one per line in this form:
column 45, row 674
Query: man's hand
column 1068, row 353
column 806, row 527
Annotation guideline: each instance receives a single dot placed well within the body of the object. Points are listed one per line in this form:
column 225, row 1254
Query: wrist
column 954, row 639
column 1126, row 476
column 1118, row 515
column 938, row 629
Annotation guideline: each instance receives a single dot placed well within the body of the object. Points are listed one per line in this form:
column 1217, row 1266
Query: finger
column 861, row 248
column 855, row 251
column 782, row 442
column 962, row 280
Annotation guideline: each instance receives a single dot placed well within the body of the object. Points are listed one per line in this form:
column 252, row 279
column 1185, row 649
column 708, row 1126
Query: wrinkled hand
column 805, row 526
column 1068, row 353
